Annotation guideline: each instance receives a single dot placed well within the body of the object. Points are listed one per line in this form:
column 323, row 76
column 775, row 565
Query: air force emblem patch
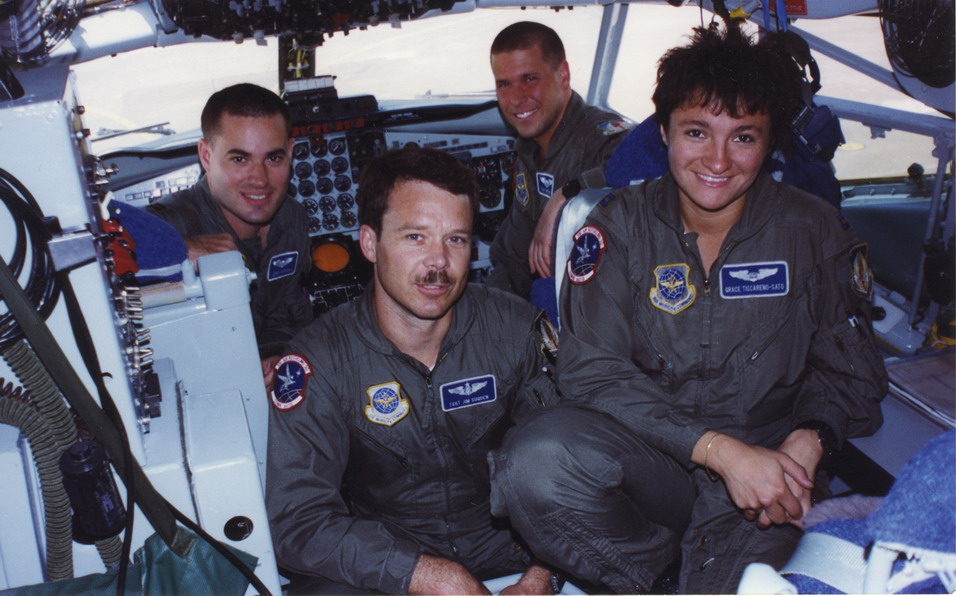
column 282, row 265
column 386, row 404
column 521, row 189
column 468, row 392
column 292, row 374
column 545, row 184
column 673, row 292
column 586, row 253
column 754, row 280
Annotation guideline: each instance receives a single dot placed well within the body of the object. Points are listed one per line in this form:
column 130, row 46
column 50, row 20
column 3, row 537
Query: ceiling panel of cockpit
column 309, row 20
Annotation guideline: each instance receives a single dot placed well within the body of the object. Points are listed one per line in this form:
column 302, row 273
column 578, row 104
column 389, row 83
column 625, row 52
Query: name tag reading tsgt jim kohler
column 468, row 392
column 755, row 280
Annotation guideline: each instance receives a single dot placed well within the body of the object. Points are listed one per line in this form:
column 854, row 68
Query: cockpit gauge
column 340, row 165
column 325, row 185
column 330, row 221
column 343, row 183
column 349, row 220
column 311, row 207
column 303, row 169
column 319, row 147
column 337, row 146
column 315, row 226
column 346, row 201
column 300, row 150
column 327, row 204
column 306, row 188
column 321, row 167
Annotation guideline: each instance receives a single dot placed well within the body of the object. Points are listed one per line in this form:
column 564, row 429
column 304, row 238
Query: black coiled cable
column 31, row 234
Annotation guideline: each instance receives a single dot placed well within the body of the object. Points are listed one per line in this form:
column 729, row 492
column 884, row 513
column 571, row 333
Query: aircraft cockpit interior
column 108, row 330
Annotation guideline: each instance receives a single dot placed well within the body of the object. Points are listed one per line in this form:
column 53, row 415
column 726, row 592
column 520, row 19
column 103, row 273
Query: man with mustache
column 385, row 408
column 240, row 204
column 563, row 146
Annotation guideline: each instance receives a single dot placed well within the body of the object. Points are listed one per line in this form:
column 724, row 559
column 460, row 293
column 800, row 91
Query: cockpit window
column 164, row 88
column 442, row 59
column 448, row 56
column 445, row 59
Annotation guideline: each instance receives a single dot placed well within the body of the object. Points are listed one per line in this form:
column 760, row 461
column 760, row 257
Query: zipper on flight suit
column 441, row 449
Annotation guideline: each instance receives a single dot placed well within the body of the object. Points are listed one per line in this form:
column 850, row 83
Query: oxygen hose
column 47, row 399
column 43, row 391
column 46, row 455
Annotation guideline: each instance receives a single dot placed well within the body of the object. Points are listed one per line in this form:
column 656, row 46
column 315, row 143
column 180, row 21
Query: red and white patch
column 589, row 247
column 292, row 374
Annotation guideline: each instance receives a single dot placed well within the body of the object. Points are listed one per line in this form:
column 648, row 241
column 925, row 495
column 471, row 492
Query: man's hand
column 198, row 246
column 542, row 244
column 434, row 575
column 269, row 372
column 803, row 446
column 536, row 580
column 758, row 480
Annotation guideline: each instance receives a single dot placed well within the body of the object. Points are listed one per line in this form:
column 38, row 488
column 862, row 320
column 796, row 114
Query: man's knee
column 546, row 463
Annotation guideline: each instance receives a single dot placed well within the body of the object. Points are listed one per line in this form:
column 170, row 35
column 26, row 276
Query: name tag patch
column 755, row 280
column 292, row 375
column 545, row 184
column 282, row 265
column 468, row 392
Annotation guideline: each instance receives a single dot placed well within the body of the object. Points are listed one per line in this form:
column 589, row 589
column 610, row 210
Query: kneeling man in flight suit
column 384, row 409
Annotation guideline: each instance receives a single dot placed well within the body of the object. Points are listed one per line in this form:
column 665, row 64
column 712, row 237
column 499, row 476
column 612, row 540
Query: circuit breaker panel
column 195, row 417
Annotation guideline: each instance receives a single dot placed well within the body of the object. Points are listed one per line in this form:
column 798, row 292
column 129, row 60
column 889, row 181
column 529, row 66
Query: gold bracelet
column 714, row 477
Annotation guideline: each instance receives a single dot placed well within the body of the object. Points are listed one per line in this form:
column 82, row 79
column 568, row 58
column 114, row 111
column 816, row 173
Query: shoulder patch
column 468, row 392
column 673, row 292
column 755, row 280
column 589, row 246
column 612, row 127
column 545, row 182
column 844, row 223
column 521, row 189
column 292, row 375
column 386, row 404
column 861, row 276
column 608, row 199
column 282, row 265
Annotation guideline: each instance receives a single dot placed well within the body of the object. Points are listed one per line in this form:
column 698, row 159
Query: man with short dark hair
column 561, row 138
column 715, row 345
column 240, row 204
column 384, row 409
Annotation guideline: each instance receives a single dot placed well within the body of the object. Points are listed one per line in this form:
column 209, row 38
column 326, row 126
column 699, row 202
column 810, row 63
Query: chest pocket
column 478, row 427
column 381, row 466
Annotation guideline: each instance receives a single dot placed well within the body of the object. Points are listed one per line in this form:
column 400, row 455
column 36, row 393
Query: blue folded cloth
column 642, row 155
column 160, row 250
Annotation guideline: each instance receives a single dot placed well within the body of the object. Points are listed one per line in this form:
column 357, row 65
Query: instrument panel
column 333, row 139
column 325, row 169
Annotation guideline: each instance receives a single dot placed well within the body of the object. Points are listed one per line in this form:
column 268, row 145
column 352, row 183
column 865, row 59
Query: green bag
column 158, row 571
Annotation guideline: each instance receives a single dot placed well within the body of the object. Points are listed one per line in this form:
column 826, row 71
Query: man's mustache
column 435, row 277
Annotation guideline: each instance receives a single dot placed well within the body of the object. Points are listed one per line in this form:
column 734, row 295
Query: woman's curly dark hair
column 728, row 71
